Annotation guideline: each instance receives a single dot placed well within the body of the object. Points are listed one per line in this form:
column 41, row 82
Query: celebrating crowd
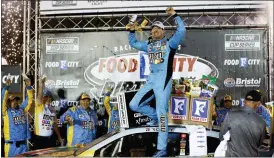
column 245, row 126
column 81, row 120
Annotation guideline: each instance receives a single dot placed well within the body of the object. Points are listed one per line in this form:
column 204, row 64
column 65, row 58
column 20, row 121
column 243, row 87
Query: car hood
column 50, row 152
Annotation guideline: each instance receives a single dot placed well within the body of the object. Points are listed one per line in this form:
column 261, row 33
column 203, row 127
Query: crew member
column 222, row 111
column 45, row 120
column 16, row 132
column 113, row 113
column 246, row 128
column 81, row 121
column 161, row 52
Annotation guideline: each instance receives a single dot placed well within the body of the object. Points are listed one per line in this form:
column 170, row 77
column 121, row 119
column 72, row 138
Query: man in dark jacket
column 247, row 129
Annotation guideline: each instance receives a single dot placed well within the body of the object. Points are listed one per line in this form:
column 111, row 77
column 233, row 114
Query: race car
column 131, row 142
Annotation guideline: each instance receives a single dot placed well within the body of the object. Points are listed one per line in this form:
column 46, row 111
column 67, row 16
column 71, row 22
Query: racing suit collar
column 82, row 108
column 164, row 38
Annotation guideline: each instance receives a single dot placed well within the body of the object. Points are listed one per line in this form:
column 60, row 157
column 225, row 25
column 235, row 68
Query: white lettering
column 235, row 102
column 62, row 64
column 121, row 48
column 13, row 78
column 244, row 61
column 245, row 38
column 248, row 82
column 64, row 41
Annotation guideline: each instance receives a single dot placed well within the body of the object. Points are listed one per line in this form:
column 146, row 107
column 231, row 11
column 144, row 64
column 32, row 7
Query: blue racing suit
column 83, row 130
column 265, row 114
column 159, row 82
column 16, row 130
column 113, row 114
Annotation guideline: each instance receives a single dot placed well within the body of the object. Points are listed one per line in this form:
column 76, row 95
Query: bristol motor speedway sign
column 105, row 59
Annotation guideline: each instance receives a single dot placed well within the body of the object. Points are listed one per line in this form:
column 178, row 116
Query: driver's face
column 14, row 103
column 228, row 104
column 157, row 33
column 85, row 103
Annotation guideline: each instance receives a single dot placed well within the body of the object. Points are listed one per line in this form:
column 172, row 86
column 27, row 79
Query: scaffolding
column 35, row 24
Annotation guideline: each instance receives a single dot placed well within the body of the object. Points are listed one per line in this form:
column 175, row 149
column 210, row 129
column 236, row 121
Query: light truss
column 108, row 22
column 30, row 45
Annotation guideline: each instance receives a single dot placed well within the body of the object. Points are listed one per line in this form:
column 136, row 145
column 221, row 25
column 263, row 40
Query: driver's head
column 85, row 100
column 14, row 101
column 228, row 101
column 253, row 99
column 157, row 30
column 47, row 97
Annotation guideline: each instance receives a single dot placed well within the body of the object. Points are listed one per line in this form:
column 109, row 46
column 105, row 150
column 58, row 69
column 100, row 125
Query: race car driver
column 45, row 119
column 82, row 123
column 112, row 111
column 159, row 83
column 16, row 132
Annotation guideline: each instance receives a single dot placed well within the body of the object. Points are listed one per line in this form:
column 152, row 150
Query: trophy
column 132, row 21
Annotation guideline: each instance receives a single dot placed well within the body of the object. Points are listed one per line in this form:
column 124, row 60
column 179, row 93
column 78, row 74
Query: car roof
column 144, row 129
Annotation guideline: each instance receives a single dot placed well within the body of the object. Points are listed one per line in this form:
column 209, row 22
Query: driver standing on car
column 161, row 52
column 82, row 123
column 112, row 111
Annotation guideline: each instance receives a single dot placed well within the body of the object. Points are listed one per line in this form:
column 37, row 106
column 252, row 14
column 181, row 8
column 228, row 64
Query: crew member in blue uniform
column 161, row 52
column 16, row 132
column 82, row 122
column 113, row 113
column 222, row 111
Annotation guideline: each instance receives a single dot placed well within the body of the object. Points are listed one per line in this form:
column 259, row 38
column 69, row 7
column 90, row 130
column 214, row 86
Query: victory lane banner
column 15, row 76
column 86, row 62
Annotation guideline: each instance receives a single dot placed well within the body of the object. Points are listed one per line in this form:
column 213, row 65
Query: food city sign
column 134, row 67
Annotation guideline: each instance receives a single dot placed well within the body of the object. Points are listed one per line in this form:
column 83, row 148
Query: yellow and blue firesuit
column 16, row 130
column 83, row 130
column 113, row 113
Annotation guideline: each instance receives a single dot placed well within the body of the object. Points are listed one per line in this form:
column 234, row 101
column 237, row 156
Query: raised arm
column 4, row 98
column 29, row 99
column 133, row 42
column 179, row 35
column 40, row 92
